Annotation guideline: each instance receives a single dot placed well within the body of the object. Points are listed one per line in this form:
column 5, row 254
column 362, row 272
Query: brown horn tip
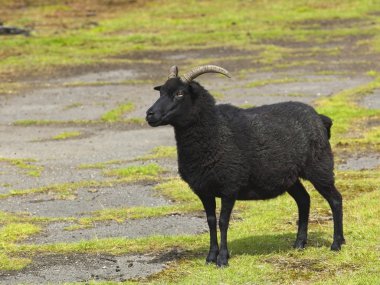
column 173, row 72
column 196, row 71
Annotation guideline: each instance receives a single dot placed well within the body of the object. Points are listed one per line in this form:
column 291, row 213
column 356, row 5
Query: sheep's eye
column 179, row 94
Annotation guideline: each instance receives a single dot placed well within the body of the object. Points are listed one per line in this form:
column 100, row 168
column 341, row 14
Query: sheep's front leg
column 209, row 205
column 225, row 214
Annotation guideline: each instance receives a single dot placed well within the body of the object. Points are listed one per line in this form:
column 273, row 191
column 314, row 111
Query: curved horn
column 196, row 71
column 173, row 73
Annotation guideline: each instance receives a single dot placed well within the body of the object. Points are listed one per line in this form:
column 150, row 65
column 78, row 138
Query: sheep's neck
column 197, row 144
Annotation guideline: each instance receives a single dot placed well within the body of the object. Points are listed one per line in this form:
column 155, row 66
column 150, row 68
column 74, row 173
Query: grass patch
column 260, row 241
column 344, row 111
column 160, row 152
column 246, row 106
column 261, row 252
column 218, row 95
column 13, row 263
column 67, row 190
column 136, row 171
column 116, row 114
column 67, row 135
column 122, row 214
column 99, row 165
column 243, row 25
column 26, row 165
column 14, row 232
column 177, row 190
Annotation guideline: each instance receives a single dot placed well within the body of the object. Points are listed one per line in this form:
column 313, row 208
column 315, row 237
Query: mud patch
column 86, row 200
column 58, row 269
column 166, row 226
column 360, row 162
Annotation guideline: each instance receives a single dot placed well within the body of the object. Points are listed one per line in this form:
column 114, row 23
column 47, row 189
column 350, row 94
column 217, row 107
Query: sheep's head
column 178, row 97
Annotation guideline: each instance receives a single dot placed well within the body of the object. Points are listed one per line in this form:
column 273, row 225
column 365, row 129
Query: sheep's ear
column 158, row 88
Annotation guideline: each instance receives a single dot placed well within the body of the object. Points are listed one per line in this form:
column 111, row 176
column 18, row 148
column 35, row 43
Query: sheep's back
column 279, row 141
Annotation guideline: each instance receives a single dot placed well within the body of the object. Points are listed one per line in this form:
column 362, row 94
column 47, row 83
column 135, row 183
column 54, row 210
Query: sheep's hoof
column 337, row 244
column 212, row 257
column 299, row 244
column 222, row 260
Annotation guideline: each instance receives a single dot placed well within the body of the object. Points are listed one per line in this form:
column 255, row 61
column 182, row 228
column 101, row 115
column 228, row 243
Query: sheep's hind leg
column 302, row 198
column 334, row 198
column 225, row 214
column 209, row 205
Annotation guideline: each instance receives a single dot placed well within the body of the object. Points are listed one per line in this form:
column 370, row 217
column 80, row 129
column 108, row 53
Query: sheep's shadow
column 265, row 244
column 274, row 243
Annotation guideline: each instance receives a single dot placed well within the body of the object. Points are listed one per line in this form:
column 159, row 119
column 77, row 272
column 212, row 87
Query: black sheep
column 247, row 154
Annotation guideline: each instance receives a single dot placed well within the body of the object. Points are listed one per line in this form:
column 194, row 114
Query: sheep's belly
column 259, row 194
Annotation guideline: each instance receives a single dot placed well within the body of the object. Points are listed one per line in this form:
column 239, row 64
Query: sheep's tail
column 327, row 122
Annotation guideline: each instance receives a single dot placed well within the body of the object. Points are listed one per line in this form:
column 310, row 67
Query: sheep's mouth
column 154, row 123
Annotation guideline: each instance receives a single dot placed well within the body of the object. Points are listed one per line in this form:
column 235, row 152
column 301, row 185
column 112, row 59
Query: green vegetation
column 116, row 114
column 26, row 165
column 9, row 234
column 136, row 171
column 210, row 25
column 344, row 111
column 177, row 190
column 246, row 106
column 99, row 165
column 218, row 95
column 67, row 135
column 160, row 152
column 279, row 35
column 260, row 242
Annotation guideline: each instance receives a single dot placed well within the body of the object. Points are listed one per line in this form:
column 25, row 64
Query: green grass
column 99, row 165
column 9, row 234
column 344, row 111
column 116, row 114
column 260, row 242
column 246, row 106
column 67, row 135
column 160, row 152
column 68, row 190
column 176, row 190
column 261, row 233
column 26, row 165
column 244, row 25
column 136, row 171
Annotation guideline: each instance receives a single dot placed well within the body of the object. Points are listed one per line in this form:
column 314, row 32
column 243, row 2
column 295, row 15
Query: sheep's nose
column 149, row 113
